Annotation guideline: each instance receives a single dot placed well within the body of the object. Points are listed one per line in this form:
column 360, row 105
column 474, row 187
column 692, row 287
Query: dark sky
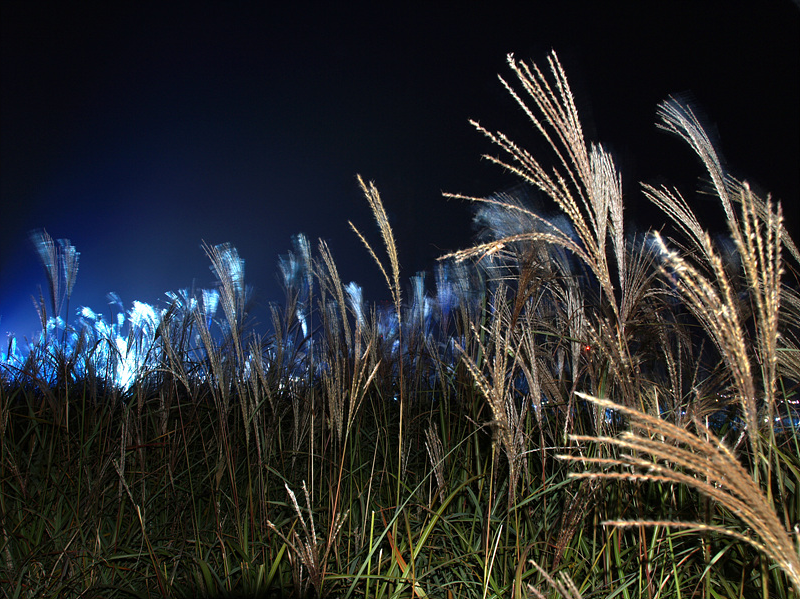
column 140, row 132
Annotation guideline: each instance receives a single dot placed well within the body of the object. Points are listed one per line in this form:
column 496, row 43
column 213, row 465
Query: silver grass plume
column 60, row 261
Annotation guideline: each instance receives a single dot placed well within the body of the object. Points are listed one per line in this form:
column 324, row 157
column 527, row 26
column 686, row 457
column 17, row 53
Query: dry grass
column 746, row 333
column 424, row 434
column 676, row 455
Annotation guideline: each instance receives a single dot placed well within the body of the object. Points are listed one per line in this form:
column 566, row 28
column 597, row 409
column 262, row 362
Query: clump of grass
column 159, row 453
column 700, row 460
column 587, row 189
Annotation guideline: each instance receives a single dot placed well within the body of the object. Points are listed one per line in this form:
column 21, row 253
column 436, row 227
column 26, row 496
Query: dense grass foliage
column 565, row 410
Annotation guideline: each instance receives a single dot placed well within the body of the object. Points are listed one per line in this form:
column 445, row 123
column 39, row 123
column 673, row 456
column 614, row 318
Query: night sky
column 139, row 133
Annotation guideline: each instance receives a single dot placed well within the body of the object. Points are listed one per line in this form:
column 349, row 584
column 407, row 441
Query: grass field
column 566, row 409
